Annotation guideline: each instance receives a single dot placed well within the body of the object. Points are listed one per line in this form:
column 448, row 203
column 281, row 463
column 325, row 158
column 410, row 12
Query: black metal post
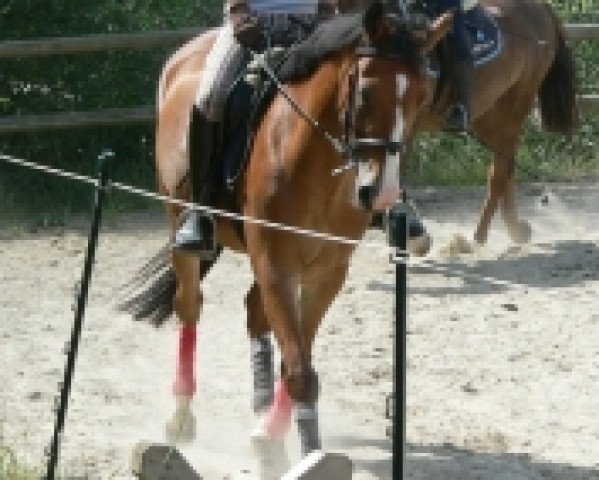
column 72, row 346
column 398, row 238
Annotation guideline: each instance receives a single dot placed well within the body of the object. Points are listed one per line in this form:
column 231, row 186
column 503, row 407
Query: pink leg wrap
column 185, row 383
column 279, row 415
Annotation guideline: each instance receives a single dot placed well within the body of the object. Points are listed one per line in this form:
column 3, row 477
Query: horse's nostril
column 366, row 195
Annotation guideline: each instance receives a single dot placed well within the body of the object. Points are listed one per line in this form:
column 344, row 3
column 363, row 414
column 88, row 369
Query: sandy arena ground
column 503, row 379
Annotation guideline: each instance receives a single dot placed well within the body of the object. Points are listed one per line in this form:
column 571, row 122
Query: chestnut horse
column 289, row 179
column 535, row 63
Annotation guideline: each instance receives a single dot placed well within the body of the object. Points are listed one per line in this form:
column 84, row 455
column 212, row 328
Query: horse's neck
column 323, row 89
column 322, row 98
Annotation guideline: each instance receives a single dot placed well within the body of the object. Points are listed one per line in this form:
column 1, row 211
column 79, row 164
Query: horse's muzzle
column 367, row 186
column 374, row 196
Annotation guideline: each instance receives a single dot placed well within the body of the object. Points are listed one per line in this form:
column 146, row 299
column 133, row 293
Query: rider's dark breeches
column 457, row 36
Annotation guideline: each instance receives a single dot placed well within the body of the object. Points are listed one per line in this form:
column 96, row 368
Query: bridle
column 350, row 145
column 354, row 143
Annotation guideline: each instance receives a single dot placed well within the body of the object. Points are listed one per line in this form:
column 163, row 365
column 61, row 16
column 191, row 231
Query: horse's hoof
column 271, row 455
column 181, row 428
column 522, row 233
column 480, row 238
column 457, row 246
column 421, row 245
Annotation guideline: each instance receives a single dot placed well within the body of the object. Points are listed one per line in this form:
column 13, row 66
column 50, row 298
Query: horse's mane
column 329, row 38
column 334, row 35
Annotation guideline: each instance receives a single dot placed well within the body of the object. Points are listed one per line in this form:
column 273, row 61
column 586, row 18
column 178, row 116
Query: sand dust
column 503, row 379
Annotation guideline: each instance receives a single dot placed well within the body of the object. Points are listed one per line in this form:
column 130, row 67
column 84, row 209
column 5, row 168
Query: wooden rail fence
column 143, row 41
column 96, row 43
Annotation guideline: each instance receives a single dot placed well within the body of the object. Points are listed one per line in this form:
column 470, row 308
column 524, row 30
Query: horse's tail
column 557, row 95
column 150, row 294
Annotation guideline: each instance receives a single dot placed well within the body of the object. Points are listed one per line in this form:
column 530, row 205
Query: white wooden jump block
column 164, row 462
column 160, row 462
column 320, row 465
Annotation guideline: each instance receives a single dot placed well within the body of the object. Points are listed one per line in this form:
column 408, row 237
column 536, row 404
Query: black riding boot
column 459, row 117
column 197, row 234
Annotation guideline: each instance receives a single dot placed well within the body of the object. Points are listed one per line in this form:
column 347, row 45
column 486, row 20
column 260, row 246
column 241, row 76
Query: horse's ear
column 436, row 32
column 373, row 18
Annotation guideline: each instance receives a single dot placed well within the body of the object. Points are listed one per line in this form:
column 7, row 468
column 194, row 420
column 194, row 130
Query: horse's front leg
column 272, row 406
column 279, row 298
column 279, row 289
column 188, row 301
column 317, row 293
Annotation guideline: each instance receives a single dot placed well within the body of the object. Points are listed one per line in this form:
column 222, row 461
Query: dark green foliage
column 125, row 79
column 82, row 82
column 444, row 159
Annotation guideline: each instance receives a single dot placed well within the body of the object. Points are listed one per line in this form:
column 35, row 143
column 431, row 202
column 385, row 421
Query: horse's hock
column 164, row 462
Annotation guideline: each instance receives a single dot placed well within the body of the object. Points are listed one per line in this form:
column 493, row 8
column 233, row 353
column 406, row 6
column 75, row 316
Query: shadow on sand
column 448, row 462
column 562, row 264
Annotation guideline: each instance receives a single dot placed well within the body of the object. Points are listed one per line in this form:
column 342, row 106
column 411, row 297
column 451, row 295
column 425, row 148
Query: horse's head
column 389, row 89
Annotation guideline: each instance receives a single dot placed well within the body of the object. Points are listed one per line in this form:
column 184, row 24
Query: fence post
column 72, row 346
column 397, row 232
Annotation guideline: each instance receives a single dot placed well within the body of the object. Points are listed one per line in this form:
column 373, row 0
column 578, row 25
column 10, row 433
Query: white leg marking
column 390, row 182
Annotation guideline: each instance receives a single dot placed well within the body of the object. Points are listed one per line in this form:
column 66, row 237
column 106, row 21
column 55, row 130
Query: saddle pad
column 486, row 39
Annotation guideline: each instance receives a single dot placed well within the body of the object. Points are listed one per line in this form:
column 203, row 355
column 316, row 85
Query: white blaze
column 390, row 182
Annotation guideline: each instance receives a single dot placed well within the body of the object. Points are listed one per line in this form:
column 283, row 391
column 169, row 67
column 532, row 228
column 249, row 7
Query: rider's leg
column 197, row 235
column 222, row 65
column 459, row 117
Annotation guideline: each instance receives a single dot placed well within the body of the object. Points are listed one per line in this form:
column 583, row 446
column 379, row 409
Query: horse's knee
column 302, row 384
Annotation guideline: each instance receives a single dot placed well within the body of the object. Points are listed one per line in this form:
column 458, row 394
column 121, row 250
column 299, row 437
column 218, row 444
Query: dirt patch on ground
column 503, row 376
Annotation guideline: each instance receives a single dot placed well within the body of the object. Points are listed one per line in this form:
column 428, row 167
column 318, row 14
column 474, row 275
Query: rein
column 340, row 147
column 347, row 147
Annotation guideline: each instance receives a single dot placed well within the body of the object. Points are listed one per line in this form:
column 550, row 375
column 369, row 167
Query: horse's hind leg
column 188, row 301
column 519, row 230
column 500, row 130
column 274, row 416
